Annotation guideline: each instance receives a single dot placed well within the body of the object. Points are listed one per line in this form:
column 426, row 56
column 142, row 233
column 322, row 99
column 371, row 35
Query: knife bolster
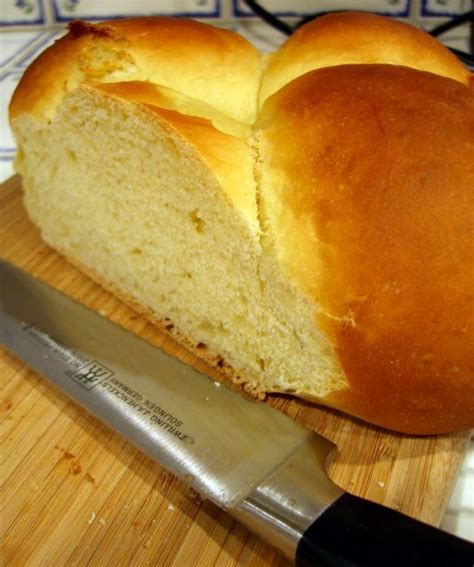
column 288, row 501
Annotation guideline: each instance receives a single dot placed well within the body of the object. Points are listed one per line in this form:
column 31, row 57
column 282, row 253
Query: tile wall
column 18, row 14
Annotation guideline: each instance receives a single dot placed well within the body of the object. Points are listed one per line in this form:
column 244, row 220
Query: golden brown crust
column 372, row 215
column 218, row 66
column 370, row 209
column 201, row 61
column 353, row 38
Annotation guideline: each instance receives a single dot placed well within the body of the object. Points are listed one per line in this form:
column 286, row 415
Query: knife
column 264, row 469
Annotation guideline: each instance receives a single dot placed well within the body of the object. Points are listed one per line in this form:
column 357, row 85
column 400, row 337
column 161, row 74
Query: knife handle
column 356, row 532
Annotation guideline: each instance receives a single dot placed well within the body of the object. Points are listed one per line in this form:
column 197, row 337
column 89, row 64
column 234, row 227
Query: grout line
column 25, row 51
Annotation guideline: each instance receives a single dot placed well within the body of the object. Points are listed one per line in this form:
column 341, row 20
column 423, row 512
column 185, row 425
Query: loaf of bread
column 303, row 220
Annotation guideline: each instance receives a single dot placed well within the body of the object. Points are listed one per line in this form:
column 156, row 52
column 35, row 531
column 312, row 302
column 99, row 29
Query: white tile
column 15, row 12
column 460, row 524
column 91, row 9
column 48, row 39
column 469, row 460
column 463, row 493
column 6, row 168
column 7, row 85
column 445, row 7
column 305, row 7
column 264, row 37
column 459, row 517
column 13, row 43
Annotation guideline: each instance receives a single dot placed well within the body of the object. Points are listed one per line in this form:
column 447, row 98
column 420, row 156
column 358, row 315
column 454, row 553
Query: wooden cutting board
column 76, row 493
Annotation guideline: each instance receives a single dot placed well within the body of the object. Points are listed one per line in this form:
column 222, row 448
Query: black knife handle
column 355, row 532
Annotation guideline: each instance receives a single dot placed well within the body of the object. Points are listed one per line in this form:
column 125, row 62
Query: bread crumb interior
column 116, row 190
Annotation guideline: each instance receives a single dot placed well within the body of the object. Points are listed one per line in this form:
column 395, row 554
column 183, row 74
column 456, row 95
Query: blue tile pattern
column 22, row 12
column 45, row 40
column 66, row 10
column 8, row 82
column 289, row 8
column 444, row 8
column 18, row 14
column 11, row 42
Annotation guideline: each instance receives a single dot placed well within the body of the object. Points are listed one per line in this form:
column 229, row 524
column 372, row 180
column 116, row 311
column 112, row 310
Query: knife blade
column 271, row 476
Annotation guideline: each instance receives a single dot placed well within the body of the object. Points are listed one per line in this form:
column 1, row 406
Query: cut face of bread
column 129, row 193
column 303, row 248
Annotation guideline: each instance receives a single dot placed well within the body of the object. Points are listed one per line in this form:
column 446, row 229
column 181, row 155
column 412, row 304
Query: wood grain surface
column 76, row 493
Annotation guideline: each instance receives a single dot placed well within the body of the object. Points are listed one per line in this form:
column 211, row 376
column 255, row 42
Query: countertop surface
column 19, row 48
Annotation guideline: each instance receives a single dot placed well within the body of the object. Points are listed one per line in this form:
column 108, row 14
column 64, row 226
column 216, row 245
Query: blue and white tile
column 65, row 10
column 15, row 45
column 8, row 82
column 444, row 8
column 398, row 8
column 11, row 44
column 264, row 37
column 21, row 12
column 46, row 39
